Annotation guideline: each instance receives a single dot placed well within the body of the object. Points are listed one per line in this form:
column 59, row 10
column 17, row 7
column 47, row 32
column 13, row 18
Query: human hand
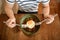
column 11, row 22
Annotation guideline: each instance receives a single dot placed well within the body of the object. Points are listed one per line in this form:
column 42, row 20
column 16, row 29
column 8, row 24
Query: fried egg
column 30, row 24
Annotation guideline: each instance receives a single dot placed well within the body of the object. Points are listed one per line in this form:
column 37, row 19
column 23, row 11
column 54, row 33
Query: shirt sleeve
column 45, row 1
column 10, row 1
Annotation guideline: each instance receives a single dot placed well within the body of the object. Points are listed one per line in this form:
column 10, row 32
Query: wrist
column 46, row 15
column 13, row 18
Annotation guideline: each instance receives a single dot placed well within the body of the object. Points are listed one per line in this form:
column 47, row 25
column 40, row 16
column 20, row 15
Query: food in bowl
column 30, row 21
column 30, row 24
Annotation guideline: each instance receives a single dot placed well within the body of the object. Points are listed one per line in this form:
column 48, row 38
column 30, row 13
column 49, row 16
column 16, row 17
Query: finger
column 12, row 21
column 8, row 20
column 11, row 25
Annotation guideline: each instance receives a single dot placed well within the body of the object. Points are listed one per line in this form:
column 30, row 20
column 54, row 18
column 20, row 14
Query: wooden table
column 46, row 32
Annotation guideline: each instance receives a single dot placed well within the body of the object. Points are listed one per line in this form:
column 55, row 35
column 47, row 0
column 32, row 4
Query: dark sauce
column 34, row 29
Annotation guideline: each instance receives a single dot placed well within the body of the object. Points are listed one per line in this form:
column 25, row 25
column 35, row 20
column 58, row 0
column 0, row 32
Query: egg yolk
column 30, row 24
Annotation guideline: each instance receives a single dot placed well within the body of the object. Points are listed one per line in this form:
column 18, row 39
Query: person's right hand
column 11, row 23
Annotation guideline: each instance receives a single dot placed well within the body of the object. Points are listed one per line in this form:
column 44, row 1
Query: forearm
column 46, row 11
column 9, row 12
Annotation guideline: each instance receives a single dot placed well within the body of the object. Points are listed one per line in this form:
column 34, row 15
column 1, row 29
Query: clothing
column 23, row 12
column 28, row 5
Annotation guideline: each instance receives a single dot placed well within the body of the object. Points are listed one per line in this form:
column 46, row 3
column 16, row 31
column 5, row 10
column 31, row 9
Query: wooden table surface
column 46, row 32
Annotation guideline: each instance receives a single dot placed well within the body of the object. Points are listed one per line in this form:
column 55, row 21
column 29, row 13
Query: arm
column 46, row 10
column 8, row 10
column 11, row 22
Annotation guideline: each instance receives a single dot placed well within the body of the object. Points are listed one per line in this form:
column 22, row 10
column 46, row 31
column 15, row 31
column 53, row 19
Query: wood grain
column 46, row 32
